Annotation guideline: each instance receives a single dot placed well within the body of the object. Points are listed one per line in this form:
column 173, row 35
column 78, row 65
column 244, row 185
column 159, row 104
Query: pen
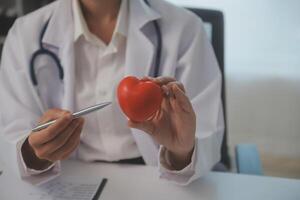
column 75, row 115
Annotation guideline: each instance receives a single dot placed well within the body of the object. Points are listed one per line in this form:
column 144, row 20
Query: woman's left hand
column 174, row 125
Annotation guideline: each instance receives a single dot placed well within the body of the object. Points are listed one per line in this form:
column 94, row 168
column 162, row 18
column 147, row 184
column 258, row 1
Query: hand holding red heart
column 172, row 125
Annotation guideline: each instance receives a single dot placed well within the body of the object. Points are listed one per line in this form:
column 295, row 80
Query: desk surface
column 142, row 182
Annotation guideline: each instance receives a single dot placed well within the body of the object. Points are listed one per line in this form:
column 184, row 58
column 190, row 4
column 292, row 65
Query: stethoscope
column 42, row 51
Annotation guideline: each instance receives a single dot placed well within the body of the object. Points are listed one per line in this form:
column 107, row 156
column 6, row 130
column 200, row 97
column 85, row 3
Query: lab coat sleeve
column 19, row 110
column 182, row 176
column 198, row 70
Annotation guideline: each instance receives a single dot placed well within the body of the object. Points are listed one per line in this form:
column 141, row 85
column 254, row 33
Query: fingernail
column 66, row 116
column 165, row 90
column 67, row 113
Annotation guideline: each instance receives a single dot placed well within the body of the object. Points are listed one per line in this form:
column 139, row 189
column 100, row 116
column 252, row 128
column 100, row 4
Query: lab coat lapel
column 69, row 80
column 59, row 36
column 139, row 59
column 140, row 49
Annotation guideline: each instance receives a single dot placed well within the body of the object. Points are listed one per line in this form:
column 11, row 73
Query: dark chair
column 5, row 24
column 216, row 20
column 32, row 5
column 247, row 156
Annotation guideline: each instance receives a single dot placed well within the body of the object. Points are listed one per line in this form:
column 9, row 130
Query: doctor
column 93, row 44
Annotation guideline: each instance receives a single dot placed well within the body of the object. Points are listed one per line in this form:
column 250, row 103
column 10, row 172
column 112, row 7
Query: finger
column 166, row 90
column 152, row 117
column 44, row 150
column 69, row 147
column 74, row 145
column 48, row 134
column 181, row 99
column 179, row 84
column 147, row 78
column 53, row 114
column 62, row 138
column 170, row 90
column 166, row 105
column 147, row 126
column 163, row 80
column 156, row 115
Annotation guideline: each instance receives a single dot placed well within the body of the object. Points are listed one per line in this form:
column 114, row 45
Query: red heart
column 139, row 99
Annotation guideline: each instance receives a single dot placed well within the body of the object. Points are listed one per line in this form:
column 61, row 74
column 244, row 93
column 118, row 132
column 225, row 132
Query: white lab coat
column 186, row 55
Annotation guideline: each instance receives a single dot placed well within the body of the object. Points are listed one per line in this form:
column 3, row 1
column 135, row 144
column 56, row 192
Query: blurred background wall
column 263, row 78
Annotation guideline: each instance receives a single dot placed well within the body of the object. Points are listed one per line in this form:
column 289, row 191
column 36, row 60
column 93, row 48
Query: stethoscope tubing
column 43, row 51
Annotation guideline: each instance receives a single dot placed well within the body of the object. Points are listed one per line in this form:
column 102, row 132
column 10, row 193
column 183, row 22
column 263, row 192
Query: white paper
column 67, row 189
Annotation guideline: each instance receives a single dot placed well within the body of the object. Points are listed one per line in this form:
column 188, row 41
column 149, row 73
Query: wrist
column 178, row 160
column 31, row 160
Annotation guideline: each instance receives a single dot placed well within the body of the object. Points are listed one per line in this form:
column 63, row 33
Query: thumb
column 182, row 99
column 147, row 126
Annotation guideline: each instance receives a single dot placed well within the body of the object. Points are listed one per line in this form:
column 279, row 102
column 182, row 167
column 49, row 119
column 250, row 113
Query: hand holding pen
column 56, row 138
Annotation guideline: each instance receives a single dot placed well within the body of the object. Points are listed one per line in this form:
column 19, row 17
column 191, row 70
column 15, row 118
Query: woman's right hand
column 54, row 143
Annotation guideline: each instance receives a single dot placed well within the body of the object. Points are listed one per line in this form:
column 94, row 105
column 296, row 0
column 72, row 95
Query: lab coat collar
column 140, row 17
column 61, row 27
column 142, row 13
column 61, row 21
column 81, row 27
